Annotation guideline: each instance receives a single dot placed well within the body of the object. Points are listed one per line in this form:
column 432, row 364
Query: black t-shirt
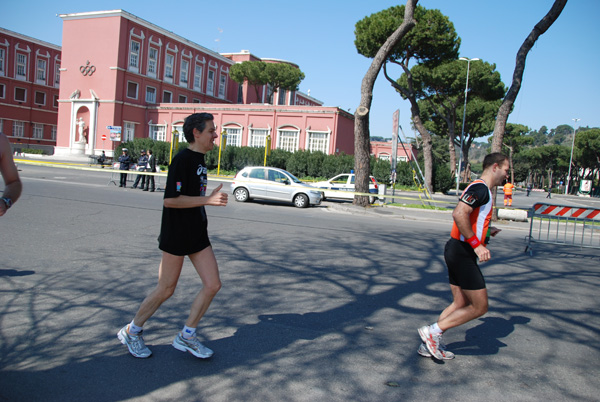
column 184, row 230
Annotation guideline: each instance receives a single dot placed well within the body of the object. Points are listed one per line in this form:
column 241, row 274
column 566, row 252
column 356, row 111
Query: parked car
column 269, row 183
column 342, row 186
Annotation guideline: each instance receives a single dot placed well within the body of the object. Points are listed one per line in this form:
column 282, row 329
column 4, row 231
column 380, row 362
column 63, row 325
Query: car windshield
column 294, row 178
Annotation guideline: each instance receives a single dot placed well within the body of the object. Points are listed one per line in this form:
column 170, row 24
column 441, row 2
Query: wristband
column 474, row 242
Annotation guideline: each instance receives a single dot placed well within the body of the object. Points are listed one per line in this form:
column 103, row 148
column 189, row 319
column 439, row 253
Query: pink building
column 29, row 82
column 128, row 74
column 383, row 150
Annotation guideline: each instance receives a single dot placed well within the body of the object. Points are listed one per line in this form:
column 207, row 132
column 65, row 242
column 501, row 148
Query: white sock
column 134, row 329
column 435, row 329
column 188, row 332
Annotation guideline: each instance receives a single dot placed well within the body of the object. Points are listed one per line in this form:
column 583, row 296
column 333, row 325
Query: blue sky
column 561, row 80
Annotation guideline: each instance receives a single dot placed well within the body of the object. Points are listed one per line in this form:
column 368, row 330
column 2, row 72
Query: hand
column 483, row 253
column 217, row 198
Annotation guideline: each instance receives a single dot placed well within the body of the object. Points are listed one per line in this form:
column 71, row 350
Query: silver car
column 269, row 183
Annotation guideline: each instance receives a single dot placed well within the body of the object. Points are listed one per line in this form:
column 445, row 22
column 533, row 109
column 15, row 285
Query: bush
column 32, row 151
column 160, row 149
column 381, row 171
column 442, row 178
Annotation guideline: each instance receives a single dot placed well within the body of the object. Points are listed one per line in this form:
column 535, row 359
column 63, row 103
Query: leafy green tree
column 432, row 41
column 587, row 155
column 259, row 73
column 251, row 72
column 441, row 93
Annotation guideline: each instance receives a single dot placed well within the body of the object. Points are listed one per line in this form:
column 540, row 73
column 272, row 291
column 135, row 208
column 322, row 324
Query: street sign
column 103, row 137
column 396, row 126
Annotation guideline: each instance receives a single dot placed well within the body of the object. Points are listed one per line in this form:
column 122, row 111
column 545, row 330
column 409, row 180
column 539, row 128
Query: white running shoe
column 192, row 345
column 431, row 341
column 135, row 343
column 446, row 354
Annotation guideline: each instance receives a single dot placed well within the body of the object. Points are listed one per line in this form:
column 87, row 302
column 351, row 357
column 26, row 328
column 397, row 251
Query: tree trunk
column 361, row 117
column 511, row 95
column 452, row 149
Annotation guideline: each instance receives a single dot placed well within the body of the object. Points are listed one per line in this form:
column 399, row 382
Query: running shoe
column 135, row 343
column 446, row 354
column 431, row 341
column 192, row 345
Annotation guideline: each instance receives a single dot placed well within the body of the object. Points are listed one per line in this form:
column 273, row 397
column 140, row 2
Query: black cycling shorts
column 463, row 270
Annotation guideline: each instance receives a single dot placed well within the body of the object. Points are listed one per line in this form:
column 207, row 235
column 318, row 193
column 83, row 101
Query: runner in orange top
column 465, row 249
column 508, row 190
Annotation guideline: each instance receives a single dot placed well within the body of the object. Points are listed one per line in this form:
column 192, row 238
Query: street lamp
column 462, row 132
column 571, row 160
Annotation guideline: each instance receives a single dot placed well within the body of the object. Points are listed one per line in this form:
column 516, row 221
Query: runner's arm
column 216, row 198
column 461, row 215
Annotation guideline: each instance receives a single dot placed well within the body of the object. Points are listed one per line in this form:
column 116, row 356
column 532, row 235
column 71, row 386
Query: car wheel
column 301, row 200
column 241, row 194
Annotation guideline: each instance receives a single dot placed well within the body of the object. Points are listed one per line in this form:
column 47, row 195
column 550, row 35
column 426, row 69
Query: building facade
column 29, row 90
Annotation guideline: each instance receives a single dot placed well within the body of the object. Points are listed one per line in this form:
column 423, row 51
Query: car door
column 339, row 182
column 257, row 182
column 279, row 186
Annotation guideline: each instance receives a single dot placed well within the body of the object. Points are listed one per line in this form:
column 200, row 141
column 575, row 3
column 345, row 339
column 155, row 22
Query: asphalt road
column 317, row 304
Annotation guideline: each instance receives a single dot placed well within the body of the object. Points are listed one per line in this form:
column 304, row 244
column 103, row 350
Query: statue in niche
column 80, row 125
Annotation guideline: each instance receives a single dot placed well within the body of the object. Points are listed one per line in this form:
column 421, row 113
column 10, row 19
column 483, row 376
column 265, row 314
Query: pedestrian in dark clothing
column 141, row 167
column 549, row 192
column 124, row 161
column 529, row 187
column 151, row 168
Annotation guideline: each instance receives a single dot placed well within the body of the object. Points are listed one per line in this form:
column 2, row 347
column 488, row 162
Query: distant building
column 383, row 150
column 29, row 82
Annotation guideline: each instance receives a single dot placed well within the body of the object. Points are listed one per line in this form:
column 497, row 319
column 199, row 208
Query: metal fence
column 563, row 225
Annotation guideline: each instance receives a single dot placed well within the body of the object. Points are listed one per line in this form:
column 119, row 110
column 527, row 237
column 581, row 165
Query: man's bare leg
column 467, row 305
column 168, row 275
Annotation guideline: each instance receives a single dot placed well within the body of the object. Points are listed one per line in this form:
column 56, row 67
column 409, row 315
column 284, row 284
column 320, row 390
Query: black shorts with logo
column 463, row 270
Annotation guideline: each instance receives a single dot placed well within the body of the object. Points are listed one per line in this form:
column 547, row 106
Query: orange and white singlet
column 478, row 196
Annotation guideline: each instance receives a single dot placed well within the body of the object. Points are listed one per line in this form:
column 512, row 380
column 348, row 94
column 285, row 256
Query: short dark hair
column 495, row 157
column 195, row 121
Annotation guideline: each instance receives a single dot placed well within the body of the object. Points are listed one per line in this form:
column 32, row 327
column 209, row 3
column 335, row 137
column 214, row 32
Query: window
column 288, row 140
column 234, row 137
column 182, row 99
column 258, row 137
column 198, row 78
column 132, row 90
column 169, row 67
column 40, row 98
column 18, row 128
column 134, row 55
column 2, row 91
column 20, row 94
column 53, row 133
column 195, row 100
column 55, row 101
column 128, row 131
column 21, row 66
column 2, row 61
column 282, row 93
column 152, row 61
column 57, row 74
column 150, row 95
column 41, row 71
column 240, row 97
column 318, row 141
column 258, row 173
column 210, row 83
column 38, row 130
column 158, row 132
column 222, row 85
column 183, row 73
column 179, row 134
column 167, row 97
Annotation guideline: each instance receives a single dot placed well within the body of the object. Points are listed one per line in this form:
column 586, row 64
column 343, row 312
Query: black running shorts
column 463, row 270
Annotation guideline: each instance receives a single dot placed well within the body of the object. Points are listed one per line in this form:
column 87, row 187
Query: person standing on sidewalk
column 151, row 168
column 184, row 233
column 124, row 161
column 508, row 193
column 462, row 253
column 10, row 175
column 141, row 167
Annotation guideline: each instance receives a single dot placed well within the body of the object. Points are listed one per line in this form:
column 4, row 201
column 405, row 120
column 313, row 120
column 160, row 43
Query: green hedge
column 300, row 163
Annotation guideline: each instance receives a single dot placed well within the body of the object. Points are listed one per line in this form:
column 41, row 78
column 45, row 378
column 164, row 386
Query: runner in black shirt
column 184, row 232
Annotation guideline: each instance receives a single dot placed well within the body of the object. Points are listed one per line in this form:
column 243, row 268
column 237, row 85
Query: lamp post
column 571, row 160
column 462, row 132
